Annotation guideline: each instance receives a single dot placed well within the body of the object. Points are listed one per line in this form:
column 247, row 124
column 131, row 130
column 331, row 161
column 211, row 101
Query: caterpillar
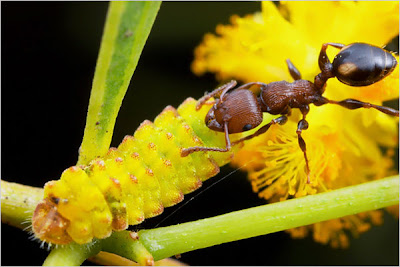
column 135, row 181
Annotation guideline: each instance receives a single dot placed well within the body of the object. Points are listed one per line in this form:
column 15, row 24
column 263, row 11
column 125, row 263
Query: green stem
column 72, row 255
column 126, row 30
column 168, row 241
column 126, row 245
column 18, row 203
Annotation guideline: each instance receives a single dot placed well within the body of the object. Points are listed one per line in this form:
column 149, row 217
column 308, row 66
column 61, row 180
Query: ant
column 356, row 64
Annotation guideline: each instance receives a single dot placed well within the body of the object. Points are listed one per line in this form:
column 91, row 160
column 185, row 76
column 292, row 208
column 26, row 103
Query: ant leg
column 323, row 60
column 224, row 88
column 325, row 66
column 294, row 72
column 248, row 85
column 303, row 125
column 187, row 151
column 355, row 104
column 280, row 120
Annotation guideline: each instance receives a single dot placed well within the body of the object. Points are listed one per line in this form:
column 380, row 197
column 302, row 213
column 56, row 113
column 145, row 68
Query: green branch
column 18, row 203
column 126, row 30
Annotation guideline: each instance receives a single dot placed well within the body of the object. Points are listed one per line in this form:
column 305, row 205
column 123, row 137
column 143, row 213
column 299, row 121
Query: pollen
column 133, row 178
column 149, row 172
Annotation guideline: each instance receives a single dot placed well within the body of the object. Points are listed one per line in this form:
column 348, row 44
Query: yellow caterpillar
column 132, row 182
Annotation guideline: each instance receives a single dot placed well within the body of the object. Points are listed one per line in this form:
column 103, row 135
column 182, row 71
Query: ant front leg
column 280, row 120
column 187, row 151
column 355, row 104
column 303, row 125
column 294, row 72
column 224, row 88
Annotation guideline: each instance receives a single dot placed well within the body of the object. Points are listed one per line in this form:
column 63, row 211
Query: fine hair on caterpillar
column 135, row 181
column 200, row 192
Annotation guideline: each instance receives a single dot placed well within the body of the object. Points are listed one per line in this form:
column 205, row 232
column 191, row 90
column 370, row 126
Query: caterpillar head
column 48, row 224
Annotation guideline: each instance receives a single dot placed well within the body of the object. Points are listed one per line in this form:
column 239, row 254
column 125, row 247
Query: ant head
column 240, row 109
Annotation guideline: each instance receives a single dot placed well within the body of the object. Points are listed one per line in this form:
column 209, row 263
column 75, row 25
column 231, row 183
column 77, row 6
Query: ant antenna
column 201, row 192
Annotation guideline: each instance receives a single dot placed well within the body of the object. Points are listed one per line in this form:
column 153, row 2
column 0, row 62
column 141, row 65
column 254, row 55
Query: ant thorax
column 277, row 97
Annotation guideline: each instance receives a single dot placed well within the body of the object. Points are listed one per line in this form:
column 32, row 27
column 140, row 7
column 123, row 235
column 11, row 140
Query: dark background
column 49, row 52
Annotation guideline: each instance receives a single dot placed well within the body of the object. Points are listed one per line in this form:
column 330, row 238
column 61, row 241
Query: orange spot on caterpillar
column 50, row 184
column 167, row 163
column 100, row 164
column 143, row 124
column 74, row 169
column 149, row 172
column 127, row 138
column 197, row 185
column 215, row 171
column 169, row 136
column 180, row 197
column 187, row 128
column 133, row 178
column 119, row 159
column 170, row 108
column 115, row 182
column 197, row 140
column 140, row 219
column 159, row 210
column 152, row 146
column 82, row 167
column 135, row 155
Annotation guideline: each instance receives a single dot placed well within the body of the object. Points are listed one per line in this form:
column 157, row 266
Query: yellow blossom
column 344, row 146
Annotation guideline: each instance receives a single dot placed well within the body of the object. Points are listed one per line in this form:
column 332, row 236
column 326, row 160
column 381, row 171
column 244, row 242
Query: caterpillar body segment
column 132, row 182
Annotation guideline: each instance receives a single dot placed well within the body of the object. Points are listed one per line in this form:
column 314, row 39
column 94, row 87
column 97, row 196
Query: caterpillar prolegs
column 132, row 182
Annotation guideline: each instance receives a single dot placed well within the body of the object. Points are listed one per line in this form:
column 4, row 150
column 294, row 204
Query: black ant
column 356, row 64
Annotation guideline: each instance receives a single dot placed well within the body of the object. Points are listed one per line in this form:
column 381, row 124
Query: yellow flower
column 344, row 146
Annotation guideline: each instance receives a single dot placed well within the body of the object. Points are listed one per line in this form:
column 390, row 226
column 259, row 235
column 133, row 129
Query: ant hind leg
column 355, row 104
column 303, row 125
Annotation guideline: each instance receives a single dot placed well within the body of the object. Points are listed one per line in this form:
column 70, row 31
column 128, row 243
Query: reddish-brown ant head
column 239, row 108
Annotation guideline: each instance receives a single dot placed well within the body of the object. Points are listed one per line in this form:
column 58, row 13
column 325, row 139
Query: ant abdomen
column 361, row 64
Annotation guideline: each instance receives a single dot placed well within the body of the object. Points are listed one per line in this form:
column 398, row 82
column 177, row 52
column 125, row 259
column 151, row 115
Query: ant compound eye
column 247, row 127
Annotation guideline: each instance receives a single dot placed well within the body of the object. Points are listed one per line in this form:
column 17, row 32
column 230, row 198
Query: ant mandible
column 357, row 64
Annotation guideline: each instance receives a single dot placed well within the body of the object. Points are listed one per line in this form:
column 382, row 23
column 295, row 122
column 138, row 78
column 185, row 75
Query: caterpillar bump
column 135, row 181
